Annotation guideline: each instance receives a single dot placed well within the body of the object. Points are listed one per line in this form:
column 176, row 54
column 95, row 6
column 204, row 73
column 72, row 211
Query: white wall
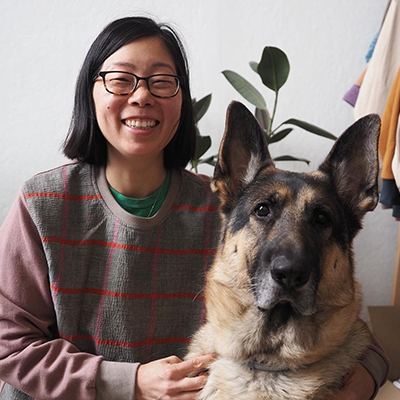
column 43, row 43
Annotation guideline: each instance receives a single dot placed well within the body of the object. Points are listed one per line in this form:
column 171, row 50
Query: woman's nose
column 141, row 95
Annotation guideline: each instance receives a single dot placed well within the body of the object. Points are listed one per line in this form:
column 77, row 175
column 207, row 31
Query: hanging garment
column 351, row 95
column 383, row 66
column 396, row 157
column 390, row 151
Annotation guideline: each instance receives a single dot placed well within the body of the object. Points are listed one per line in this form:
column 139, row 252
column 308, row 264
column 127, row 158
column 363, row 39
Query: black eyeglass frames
column 123, row 83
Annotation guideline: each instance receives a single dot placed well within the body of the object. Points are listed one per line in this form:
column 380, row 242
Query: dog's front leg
column 228, row 380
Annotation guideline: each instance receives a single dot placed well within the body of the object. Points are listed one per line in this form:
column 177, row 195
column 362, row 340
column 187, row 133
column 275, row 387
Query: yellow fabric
column 360, row 79
column 390, row 117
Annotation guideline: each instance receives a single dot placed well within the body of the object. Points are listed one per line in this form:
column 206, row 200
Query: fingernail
column 197, row 363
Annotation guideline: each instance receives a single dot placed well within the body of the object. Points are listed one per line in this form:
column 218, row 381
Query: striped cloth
column 123, row 287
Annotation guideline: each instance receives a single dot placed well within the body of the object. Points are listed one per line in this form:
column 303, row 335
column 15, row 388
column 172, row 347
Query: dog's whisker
column 198, row 294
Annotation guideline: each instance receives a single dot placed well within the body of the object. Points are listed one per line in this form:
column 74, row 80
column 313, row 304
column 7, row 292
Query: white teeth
column 140, row 124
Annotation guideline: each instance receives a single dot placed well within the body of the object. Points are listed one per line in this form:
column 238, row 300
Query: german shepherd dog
column 282, row 301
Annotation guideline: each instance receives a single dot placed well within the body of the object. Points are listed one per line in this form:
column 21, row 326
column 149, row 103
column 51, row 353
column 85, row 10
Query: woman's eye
column 162, row 83
column 262, row 211
column 120, row 80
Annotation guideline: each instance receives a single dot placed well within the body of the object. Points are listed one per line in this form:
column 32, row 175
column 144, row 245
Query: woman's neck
column 136, row 180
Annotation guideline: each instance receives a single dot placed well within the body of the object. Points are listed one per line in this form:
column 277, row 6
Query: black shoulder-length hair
column 85, row 141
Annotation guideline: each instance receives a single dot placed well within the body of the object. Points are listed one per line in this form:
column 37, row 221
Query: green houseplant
column 273, row 70
column 203, row 143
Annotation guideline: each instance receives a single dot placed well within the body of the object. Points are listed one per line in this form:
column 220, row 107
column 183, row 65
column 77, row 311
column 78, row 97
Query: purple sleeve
column 351, row 95
column 377, row 364
column 29, row 359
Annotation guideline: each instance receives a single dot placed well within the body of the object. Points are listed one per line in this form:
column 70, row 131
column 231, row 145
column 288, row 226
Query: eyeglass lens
column 159, row 85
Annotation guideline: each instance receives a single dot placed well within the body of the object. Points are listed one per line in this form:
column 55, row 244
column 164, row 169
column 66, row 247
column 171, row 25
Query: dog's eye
column 262, row 211
column 322, row 218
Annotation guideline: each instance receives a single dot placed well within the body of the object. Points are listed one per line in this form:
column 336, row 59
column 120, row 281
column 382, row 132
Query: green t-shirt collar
column 146, row 207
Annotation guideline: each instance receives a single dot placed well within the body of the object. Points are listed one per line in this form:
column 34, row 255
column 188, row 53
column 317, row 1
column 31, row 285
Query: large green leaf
column 291, row 158
column 263, row 118
column 245, row 88
column 200, row 107
column 254, row 66
column 276, row 137
column 273, row 68
column 310, row 128
column 203, row 143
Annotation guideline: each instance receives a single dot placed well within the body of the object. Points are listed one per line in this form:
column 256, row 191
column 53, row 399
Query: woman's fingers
column 195, row 364
column 169, row 377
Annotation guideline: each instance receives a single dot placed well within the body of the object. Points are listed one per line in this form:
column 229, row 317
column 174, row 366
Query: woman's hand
column 167, row 378
column 359, row 385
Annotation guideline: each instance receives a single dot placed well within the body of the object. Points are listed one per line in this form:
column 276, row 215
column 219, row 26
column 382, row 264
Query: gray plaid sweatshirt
column 87, row 289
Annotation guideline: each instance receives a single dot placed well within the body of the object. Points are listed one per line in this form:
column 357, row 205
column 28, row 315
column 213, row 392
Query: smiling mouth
column 138, row 124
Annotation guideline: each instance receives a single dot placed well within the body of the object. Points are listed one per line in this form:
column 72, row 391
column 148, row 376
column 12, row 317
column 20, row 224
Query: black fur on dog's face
column 298, row 227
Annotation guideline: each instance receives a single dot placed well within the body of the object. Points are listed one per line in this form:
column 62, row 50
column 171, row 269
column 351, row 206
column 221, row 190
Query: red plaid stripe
column 126, row 246
column 122, row 343
column 109, row 262
column 133, row 296
column 63, row 196
column 188, row 207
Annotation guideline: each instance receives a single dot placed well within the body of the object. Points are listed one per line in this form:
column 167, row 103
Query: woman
column 102, row 260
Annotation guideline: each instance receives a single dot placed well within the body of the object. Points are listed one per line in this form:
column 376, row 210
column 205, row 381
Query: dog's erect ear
column 353, row 165
column 242, row 152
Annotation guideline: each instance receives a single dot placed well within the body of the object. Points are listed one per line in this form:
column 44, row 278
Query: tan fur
column 323, row 340
column 234, row 332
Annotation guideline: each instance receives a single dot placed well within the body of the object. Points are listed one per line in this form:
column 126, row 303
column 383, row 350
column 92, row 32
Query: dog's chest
column 229, row 380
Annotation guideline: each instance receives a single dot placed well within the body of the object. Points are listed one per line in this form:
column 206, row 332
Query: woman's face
column 138, row 126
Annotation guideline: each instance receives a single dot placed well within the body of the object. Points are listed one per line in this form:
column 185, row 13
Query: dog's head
column 293, row 232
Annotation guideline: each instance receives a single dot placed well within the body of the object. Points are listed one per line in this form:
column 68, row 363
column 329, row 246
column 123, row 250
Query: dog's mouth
column 283, row 309
column 280, row 313
column 271, row 298
column 286, row 307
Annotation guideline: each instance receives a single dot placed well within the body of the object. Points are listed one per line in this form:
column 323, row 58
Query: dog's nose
column 289, row 275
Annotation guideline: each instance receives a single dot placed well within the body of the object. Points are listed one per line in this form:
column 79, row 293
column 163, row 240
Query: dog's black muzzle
column 286, row 272
column 289, row 274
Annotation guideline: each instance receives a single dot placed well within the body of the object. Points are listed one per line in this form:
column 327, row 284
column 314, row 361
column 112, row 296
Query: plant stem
column 276, row 129
column 273, row 112
column 194, row 165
